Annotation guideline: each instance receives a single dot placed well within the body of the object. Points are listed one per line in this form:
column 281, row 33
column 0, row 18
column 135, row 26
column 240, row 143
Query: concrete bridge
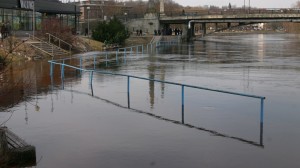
column 229, row 16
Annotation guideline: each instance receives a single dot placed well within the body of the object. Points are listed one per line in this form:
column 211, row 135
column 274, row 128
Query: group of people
column 139, row 32
column 168, row 32
column 5, row 30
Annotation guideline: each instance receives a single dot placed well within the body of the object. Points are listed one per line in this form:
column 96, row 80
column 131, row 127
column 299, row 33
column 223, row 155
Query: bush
column 110, row 32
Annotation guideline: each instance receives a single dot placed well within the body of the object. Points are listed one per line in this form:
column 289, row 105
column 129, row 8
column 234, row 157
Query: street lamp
column 88, row 10
column 33, row 18
column 125, row 14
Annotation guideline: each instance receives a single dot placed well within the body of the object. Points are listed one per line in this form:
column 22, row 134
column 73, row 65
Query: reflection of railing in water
column 182, row 86
column 215, row 133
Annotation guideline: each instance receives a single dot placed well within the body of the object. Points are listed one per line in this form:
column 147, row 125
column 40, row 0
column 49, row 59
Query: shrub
column 110, row 32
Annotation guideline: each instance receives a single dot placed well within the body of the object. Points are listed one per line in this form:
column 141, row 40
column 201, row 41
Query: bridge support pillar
column 228, row 25
column 203, row 29
column 192, row 29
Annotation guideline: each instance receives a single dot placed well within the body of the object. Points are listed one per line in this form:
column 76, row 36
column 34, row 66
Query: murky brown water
column 71, row 128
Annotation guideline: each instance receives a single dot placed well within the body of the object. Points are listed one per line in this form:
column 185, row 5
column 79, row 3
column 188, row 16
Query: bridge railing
column 235, row 11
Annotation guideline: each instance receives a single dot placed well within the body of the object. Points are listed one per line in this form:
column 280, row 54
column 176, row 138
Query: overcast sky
column 239, row 3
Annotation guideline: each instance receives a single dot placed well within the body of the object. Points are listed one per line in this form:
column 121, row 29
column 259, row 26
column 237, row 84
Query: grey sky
column 239, row 3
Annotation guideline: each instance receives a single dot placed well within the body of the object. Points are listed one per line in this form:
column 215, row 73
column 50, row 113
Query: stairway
column 46, row 47
column 156, row 39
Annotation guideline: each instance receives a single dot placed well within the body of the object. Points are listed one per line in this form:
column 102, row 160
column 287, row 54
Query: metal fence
column 122, row 54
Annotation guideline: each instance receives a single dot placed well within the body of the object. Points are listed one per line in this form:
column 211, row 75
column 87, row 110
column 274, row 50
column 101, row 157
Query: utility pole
column 88, row 10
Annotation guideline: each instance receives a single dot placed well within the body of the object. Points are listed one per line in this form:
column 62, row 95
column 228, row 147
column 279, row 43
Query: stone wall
column 147, row 24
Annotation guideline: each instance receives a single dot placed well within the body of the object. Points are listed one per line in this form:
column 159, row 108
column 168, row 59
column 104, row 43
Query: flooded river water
column 72, row 124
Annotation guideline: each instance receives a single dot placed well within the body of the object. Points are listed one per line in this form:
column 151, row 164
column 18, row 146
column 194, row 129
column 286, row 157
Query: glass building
column 19, row 13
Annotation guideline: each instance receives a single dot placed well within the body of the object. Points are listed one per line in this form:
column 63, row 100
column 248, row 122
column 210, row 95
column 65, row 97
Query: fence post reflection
column 51, row 69
column 261, row 121
column 128, row 91
column 182, row 104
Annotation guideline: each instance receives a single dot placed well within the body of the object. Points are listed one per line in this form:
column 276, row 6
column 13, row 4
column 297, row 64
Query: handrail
column 91, row 71
column 159, row 81
column 35, row 38
column 59, row 41
column 42, row 41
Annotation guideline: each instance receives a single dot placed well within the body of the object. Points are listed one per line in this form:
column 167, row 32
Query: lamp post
column 125, row 14
column 249, row 6
column 33, row 18
column 88, row 10
column 245, row 6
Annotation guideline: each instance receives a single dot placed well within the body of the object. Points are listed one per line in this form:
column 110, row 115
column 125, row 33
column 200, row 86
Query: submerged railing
column 124, row 52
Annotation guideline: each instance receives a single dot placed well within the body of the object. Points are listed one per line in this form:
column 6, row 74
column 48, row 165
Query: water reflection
column 23, row 80
column 155, row 69
column 213, row 132
column 262, row 67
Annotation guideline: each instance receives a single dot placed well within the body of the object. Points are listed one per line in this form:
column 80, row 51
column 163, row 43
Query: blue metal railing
column 183, row 86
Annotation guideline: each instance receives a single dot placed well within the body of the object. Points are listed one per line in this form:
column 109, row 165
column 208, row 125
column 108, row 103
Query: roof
column 43, row 6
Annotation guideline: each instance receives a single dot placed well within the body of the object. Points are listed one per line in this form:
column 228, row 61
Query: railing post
column 137, row 50
column 62, row 70
column 49, row 38
column 182, row 103
column 130, row 50
column 147, row 48
column 124, row 56
column 262, row 111
column 52, row 50
column 91, row 77
column 117, row 52
column 142, row 49
column 51, row 69
column 106, row 59
column 128, row 90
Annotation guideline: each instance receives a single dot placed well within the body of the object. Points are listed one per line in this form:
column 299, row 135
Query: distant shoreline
column 247, row 32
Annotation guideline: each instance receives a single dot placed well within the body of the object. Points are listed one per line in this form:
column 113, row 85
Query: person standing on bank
column 86, row 32
column 8, row 29
column 2, row 32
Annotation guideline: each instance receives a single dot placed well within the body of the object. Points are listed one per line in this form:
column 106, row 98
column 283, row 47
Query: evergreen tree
column 110, row 32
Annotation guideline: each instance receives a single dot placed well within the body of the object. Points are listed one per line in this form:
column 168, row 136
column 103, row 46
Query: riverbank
column 137, row 40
